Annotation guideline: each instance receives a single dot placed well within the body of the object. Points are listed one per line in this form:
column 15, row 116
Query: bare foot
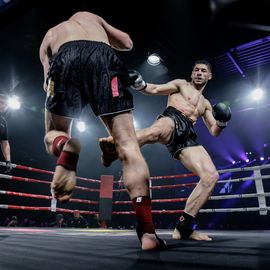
column 64, row 180
column 194, row 236
column 151, row 242
column 108, row 154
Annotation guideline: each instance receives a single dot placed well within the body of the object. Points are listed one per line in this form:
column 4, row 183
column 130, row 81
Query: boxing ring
column 53, row 248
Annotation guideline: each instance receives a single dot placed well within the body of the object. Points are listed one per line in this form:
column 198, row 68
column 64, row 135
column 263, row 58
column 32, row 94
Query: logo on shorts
column 114, row 87
column 50, row 88
column 139, row 199
column 182, row 219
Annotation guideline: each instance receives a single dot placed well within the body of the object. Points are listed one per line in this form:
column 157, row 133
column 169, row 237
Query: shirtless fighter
column 81, row 68
column 174, row 128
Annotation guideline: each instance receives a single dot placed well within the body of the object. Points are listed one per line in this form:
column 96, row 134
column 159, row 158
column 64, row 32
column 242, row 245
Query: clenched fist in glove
column 136, row 81
column 222, row 113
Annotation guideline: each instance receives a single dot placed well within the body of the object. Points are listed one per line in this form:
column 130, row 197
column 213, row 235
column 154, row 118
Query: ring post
column 105, row 197
column 260, row 189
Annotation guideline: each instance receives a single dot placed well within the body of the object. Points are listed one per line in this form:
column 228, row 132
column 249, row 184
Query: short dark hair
column 204, row 62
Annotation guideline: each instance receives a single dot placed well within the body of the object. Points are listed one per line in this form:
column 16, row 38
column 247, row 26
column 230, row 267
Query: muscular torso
column 189, row 101
column 81, row 26
column 79, row 29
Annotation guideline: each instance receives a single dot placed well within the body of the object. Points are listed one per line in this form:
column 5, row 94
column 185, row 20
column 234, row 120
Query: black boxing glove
column 222, row 113
column 136, row 81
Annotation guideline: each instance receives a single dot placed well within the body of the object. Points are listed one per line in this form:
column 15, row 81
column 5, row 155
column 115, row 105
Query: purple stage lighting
column 243, row 156
column 247, row 160
column 262, row 158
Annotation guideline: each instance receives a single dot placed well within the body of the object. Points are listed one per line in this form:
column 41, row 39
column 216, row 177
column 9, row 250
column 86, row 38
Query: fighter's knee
column 155, row 134
column 209, row 179
column 215, row 176
column 127, row 150
column 47, row 143
column 50, row 137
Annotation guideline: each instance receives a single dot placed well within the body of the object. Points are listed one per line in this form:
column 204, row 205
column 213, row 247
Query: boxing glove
column 136, row 81
column 222, row 113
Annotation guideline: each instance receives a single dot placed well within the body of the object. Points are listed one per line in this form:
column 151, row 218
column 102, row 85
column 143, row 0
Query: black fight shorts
column 87, row 72
column 183, row 135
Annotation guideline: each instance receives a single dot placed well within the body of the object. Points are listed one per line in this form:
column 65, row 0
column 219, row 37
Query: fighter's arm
column 4, row 143
column 136, row 82
column 163, row 89
column 209, row 120
column 43, row 55
column 5, row 147
column 119, row 40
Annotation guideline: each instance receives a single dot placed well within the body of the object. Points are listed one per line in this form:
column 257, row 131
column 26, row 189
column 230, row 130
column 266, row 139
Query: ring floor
column 83, row 249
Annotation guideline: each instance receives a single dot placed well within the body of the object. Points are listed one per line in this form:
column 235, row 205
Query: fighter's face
column 201, row 74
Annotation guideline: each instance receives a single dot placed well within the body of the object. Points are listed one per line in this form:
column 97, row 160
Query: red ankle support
column 142, row 206
column 68, row 160
column 58, row 144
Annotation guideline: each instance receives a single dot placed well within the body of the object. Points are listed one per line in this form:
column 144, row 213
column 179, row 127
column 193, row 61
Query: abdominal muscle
column 184, row 107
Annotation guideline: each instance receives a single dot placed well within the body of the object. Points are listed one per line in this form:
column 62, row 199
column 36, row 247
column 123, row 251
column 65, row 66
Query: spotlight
column 81, row 126
column 14, row 103
column 257, row 94
column 233, row 162
column 262, row 158
column 153, row 59
column 247, row 160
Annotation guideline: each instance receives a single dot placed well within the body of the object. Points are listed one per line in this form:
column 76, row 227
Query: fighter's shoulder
column 62, row 25
column 179, row 83
column 56, row 28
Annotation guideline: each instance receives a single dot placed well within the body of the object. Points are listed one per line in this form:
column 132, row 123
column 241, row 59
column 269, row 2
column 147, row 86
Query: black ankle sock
column 184, row 225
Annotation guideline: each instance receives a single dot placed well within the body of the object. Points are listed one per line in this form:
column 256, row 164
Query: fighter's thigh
column 120, row 126
column 56, row 122
column 197, row 160
column 164, row 126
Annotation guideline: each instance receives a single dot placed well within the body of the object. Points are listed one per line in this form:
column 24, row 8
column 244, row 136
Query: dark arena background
column 234, row 36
